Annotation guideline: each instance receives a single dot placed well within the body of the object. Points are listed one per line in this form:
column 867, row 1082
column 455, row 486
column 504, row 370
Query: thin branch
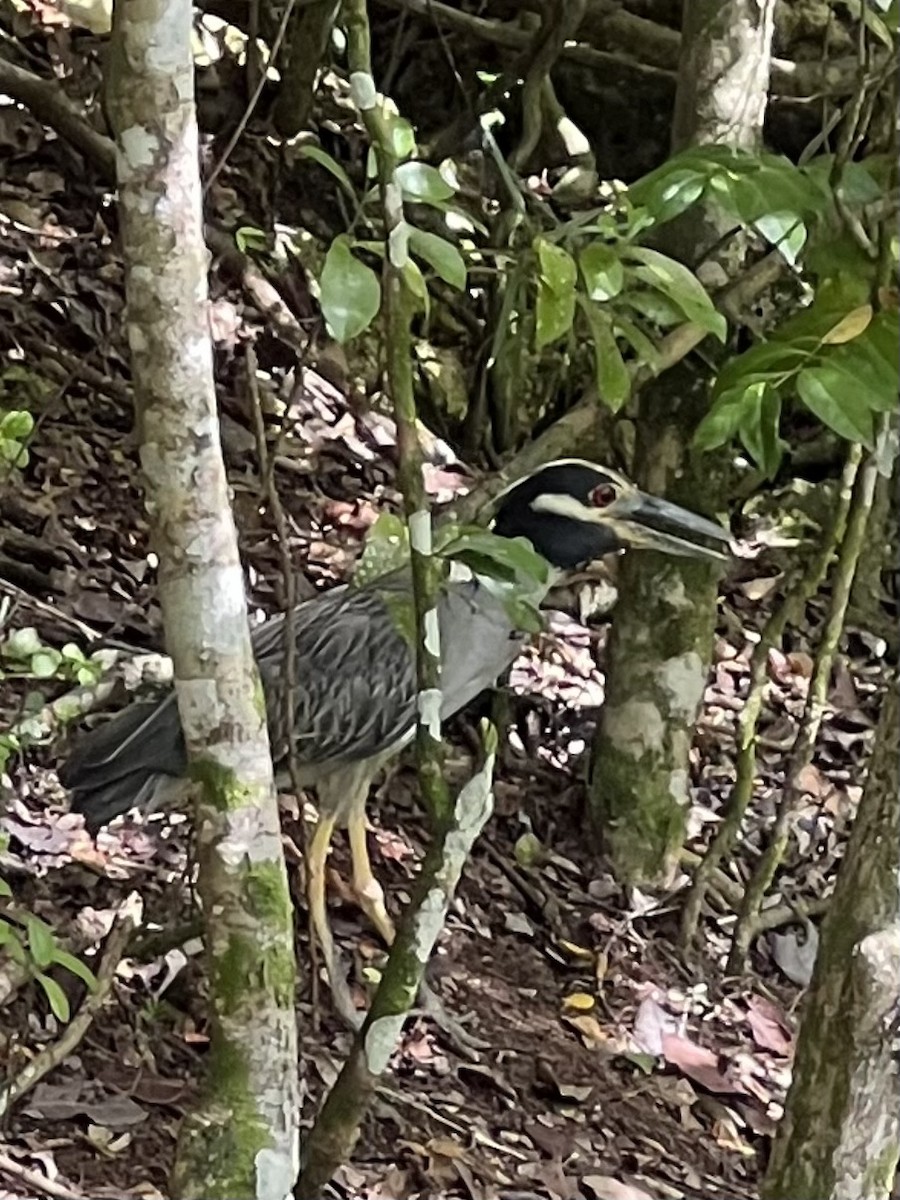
column 555, row 26
column 788, row 612
column 658, row 46
column 127, row 920
column 289, row 597
column 254, row 98
column 47, row 101
column 37, row 1183
column 804, row 744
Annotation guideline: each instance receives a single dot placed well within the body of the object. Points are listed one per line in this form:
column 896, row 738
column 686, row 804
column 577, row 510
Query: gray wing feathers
column 355, row 694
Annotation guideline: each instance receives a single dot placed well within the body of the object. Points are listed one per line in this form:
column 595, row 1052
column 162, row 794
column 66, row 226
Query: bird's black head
column 573, row 512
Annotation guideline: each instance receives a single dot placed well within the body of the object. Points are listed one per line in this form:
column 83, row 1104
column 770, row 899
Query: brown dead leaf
column 812, row 781
column 758, row 589
column 605, row 1187
column 769, row 1026
column 699, row 1064
column 801, row 663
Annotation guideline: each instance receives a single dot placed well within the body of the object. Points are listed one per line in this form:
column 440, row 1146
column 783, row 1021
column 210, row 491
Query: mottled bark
column 307, row 45
column 242, row 1139
column 662, row 634
column 840, row 1135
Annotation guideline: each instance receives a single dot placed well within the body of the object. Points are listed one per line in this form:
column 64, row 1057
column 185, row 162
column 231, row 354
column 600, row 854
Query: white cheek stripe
column 561, row 504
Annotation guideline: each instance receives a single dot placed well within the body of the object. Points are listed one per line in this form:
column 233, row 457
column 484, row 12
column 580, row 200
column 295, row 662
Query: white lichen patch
column 429, row 703
column 381, row 1038
column 635, row 728
column 683, row 679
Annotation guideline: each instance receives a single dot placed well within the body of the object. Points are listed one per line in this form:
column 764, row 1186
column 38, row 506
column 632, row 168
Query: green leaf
column 653, row 306
column 331, row 165
column 785, row 231
column 14, row 948
column 680, row 286
column 386, row 550
column 6, row 893
column 772, row 362
column 415, row 281
column 668, row 191
column 823, row 392
column 612, row 375
column 643, row 346
column 45, row 663
column 403, row 137
column 56, row 997
column 422, row 183
column 555, row 308
column 16, row 425
column 247, row 238
column 14, row 454
column 442, row 256
column 759, row 427
column 72, row 653
column 723, row 420
column 522, row 614
column 76, row 967
column 513, row 558
column 41, row 941
column 602, row 271
column 22, row 643
column 350, row 292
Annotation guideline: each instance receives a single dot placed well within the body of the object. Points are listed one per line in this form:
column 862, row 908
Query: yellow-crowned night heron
column 355, row 700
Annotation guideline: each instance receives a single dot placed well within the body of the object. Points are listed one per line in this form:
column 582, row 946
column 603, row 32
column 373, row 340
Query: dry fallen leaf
column 578, row 1002
column 591, row 1031
column 605, row 1187
column 699, row 1064
column 769, row 1026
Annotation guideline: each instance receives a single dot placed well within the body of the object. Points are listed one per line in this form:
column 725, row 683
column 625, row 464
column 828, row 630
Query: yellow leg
column 318, row 911
column 368, row 890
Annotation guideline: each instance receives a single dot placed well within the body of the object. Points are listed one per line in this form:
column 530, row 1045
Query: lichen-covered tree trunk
column 662, row 631
column 242, row 1139
column 840, row 1135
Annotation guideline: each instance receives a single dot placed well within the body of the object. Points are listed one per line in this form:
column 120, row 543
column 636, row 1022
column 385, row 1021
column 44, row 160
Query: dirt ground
column 610, row 1068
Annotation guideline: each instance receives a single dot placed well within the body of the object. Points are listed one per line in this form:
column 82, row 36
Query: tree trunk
column 242, row 1141
column 840, row 1135
column 662, row 632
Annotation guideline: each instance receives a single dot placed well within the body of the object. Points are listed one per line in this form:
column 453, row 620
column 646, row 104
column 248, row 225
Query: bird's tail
column 128, row 762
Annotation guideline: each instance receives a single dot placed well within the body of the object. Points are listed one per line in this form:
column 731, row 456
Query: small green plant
column 31, row 944
column 23, row 655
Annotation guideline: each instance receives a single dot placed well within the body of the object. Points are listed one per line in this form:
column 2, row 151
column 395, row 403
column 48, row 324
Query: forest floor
column 612, row 1067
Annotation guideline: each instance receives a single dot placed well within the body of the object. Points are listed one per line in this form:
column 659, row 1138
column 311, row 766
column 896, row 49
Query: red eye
column 603, row 495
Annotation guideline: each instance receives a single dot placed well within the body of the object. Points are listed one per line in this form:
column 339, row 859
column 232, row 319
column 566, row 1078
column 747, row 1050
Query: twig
column 804, row 745
column 254, row 98
column 789, row 914
column 789, row 611
column 37, row 1183
column 49, row 103
column 289, row 583
column 789, row 79
column 59, row 615
column 555, row 27
column 127, row 920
